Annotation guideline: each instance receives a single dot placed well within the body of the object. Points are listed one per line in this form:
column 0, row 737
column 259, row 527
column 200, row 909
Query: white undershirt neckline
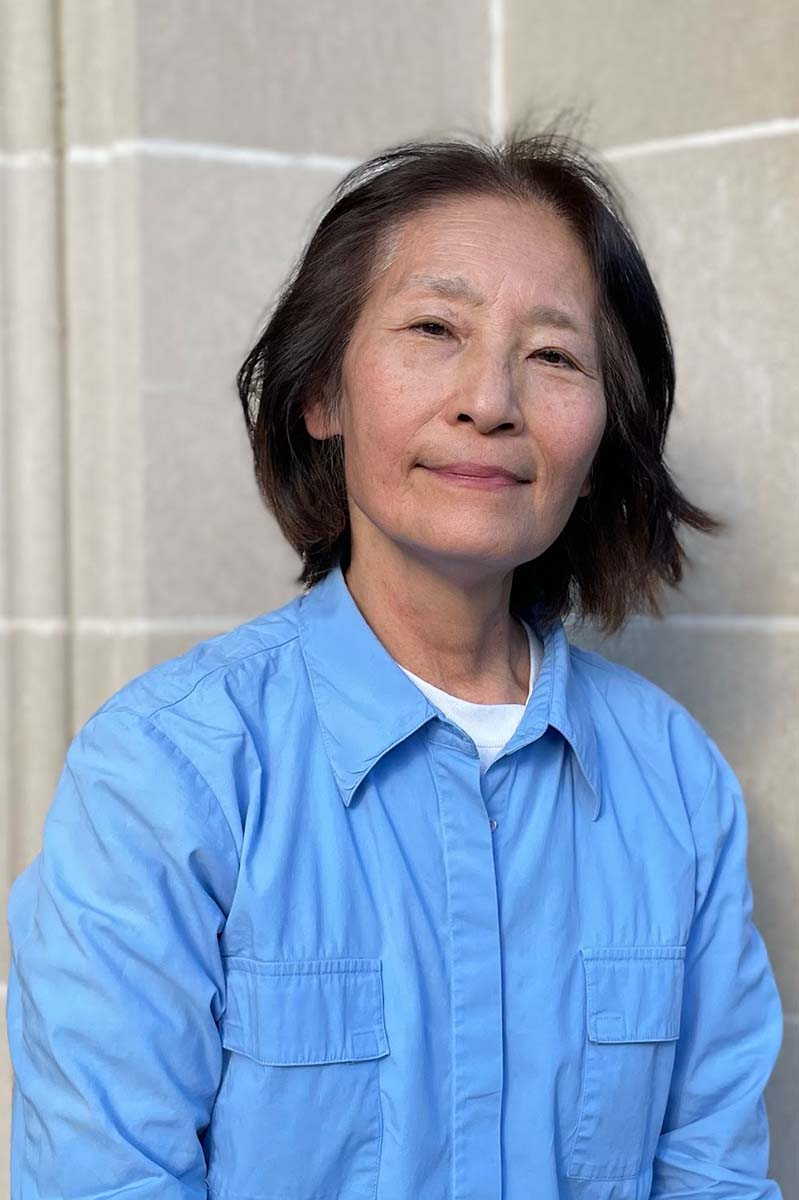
column 490, row 726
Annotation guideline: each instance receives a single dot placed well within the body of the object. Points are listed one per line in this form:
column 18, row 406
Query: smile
column 491, row 483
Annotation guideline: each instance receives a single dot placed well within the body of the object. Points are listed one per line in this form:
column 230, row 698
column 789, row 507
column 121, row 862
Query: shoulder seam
column 221, row 666
column 185, row 758
column 706, row 792
column 173, row 746
column 176, row 751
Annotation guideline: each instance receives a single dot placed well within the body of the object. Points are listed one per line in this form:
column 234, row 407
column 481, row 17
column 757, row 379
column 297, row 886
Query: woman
column 392, row 892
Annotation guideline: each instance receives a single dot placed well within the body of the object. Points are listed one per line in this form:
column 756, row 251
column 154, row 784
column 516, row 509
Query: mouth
column 492, row 481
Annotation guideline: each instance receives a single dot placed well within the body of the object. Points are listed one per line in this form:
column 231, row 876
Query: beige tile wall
column 161, row 162
column 648, row 71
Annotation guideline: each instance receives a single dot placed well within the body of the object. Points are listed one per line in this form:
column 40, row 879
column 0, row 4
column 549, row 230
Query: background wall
column 161, row 164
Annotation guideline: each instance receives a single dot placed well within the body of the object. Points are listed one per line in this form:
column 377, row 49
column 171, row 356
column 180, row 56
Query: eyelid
column 418, row 328
column 568, row 358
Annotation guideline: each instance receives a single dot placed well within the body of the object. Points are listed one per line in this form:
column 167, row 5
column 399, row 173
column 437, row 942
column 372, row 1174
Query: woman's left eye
column 429, row 325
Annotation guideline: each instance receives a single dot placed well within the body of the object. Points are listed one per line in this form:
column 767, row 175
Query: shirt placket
column 476, row 968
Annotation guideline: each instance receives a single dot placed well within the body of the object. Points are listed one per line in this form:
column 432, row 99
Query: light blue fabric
column 272, row 947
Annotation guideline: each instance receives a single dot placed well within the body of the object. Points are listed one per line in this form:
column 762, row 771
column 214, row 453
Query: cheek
column 377, row 440
column 383, row 420
column 366, row 418
column 568, row 437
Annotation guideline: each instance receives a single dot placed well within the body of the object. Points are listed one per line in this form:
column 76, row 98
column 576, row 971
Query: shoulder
column 200, row 707
column 180, row 733
column 628, row 691
column 215, row 667
column 661, row 732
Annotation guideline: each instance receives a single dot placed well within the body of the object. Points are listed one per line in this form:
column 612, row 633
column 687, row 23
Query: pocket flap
column 305, row 1011
column 634, row 993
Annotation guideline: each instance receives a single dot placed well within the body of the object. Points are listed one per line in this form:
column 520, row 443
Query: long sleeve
column 116, row 981
column 715, row 1137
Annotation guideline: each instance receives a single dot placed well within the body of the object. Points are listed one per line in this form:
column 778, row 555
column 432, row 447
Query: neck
column 460, row 637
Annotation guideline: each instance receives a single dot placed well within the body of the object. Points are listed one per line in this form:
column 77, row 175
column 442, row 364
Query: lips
column 477, row 471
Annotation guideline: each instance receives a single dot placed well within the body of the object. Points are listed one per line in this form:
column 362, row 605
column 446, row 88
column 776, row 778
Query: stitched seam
column 184, row 757
column 692, row 816
column 579, row 1124
column 228, row 665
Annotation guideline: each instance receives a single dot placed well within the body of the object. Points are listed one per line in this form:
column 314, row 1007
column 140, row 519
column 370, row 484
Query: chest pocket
column 297, row 1113
column 633, row 1006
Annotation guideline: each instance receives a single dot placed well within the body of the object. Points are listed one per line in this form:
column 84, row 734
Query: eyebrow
column 455, row 287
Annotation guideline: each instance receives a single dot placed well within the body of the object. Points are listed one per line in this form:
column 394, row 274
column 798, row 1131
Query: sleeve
column 116, row 981
column 715, row 1137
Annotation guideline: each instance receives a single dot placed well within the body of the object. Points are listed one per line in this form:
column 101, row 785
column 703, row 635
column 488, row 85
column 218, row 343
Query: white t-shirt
column 489, row 725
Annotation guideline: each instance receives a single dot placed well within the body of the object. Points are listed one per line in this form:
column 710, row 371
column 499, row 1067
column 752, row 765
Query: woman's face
column 489, row 377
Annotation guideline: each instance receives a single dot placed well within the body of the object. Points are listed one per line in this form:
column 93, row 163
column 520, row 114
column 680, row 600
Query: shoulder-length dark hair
column 620, row 543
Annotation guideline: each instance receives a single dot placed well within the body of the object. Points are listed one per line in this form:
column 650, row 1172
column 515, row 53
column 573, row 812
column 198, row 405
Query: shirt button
column 492, row 824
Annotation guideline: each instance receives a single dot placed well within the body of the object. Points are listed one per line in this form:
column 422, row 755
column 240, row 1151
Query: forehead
column 473, row 247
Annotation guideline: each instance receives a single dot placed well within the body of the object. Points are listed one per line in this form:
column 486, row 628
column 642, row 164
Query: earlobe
column 314, row 420
column 318, row 420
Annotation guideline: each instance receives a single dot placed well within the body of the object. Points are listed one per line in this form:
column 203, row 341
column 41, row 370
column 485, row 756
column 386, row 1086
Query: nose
column 486, row 395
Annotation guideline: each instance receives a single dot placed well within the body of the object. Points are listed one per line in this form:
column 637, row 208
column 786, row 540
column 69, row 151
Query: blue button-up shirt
column 282, row 941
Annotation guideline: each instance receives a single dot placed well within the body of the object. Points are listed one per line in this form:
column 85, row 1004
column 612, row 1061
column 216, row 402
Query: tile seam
column 251, row 156
column 497, row 97
column 46, row 626
column 777, row 127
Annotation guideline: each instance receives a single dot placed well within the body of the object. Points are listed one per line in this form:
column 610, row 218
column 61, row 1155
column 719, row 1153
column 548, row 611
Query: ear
column 317, row 422
column 586, row 488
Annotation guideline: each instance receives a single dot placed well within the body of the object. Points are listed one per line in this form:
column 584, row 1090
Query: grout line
column 65, row 329
column 207, row 151
column 779, row 127
column 118, row 627
column 170, row 149
column 251, row 156
column 738, row 622
column 27, row 158
column 132, row 626
column 496, row 68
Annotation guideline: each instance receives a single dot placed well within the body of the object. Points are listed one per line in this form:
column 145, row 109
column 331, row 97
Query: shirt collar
column 366, row 704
